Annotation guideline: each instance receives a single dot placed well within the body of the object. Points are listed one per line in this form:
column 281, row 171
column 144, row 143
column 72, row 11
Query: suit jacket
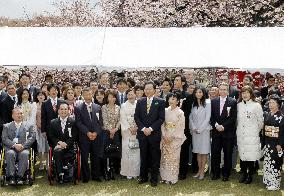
column 186, row 108
column 85, row 123
column 153, row 119
column 27, row 135
column 3, row 95
column 32, row 90
column 7, row 105
column 227, row 118
column 118, row 98
column 56, row 134
column 264, row 92
column 48, row 114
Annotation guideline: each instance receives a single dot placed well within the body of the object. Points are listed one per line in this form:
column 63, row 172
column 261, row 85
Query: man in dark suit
column 270, row 80
column 149, row 116
column 121, row 86
column 25, row 81
column 49, row 109
column 3, row 93
column 88, row 117
column 62, row 136
column 7, row 105
column 223, row 121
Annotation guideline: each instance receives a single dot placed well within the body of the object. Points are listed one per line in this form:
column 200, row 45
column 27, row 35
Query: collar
column 27, row 87
column 151, row 98
column 223, row 99
column 18, row 125
column 63, row 120
column 53, row 100
column 13, row 96
column 88, row 105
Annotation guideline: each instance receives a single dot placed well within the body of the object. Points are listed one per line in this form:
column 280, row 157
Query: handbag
column 111, row 148
column 133, row 143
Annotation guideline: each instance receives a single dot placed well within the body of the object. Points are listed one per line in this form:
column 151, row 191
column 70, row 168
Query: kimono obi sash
column 170, row 125
column 271, row 131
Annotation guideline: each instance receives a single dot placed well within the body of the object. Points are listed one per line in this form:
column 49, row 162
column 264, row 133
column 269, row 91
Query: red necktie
column 54, row 106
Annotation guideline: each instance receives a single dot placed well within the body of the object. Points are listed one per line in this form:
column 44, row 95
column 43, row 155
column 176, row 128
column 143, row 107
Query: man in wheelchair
column 17, row 138
column 62, row 136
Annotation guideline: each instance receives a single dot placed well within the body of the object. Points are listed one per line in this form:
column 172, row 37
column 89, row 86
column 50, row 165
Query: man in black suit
column 25, row 81
column 121, row 85
column 149, row 116
column 270, row 80
column 88, row 117
column 8, row 103
column 49, row 109
column 62, row 136
column 223, row 121
column 3, row 93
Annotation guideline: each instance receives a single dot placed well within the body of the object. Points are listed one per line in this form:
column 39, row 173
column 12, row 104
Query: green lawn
column 121, row 186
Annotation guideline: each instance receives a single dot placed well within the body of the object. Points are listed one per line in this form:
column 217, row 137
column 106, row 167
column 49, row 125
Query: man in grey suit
column 17, row 138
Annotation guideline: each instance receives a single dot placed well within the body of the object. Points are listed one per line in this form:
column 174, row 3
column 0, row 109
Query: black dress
column 273, row 160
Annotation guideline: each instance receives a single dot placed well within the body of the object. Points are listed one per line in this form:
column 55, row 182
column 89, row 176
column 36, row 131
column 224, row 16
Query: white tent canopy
column 143, row 47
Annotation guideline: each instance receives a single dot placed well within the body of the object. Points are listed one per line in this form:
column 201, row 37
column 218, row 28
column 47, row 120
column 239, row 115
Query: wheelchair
column 71, row 167
column 29, row 173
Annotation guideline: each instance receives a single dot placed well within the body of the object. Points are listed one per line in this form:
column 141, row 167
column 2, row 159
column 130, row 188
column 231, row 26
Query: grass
column 122, row 186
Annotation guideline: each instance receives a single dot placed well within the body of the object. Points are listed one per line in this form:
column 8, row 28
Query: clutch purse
column 133, row 143
column 111, row 148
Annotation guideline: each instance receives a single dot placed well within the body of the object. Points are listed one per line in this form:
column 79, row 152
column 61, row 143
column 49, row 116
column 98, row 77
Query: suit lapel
column 218, row 106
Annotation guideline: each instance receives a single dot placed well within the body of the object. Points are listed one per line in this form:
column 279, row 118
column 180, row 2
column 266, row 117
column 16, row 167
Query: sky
column 17, row 8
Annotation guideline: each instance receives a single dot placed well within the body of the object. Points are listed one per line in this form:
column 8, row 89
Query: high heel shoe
column 196, row 176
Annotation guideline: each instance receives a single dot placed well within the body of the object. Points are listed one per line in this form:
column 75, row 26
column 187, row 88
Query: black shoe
column 214, row 177
column 97, row 179
column 12, row 181
column 85, row 181
column 182, row 177
column 142, row 181
column 248, row 180
column 153, row 184
column 225, row 179
column 243, row 179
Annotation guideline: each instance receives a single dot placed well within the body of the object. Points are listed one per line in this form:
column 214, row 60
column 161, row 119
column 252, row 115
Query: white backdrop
column 143, row 47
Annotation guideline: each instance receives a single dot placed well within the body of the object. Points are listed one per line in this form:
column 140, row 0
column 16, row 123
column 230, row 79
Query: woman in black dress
column 274, row 143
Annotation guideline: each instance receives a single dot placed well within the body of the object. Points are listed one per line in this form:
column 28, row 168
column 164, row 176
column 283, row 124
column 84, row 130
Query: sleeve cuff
column 151, row 129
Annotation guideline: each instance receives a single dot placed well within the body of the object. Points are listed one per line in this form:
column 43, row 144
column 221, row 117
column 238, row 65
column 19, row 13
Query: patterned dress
column 273, row 136
column 173, row 127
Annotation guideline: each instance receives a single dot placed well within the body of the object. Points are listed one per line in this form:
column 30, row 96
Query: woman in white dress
column 199, row 125
column 249, row 125
column 172, row 139
column 130, row 160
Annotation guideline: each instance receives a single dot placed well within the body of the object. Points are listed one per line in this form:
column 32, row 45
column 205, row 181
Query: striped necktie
column 54, row 106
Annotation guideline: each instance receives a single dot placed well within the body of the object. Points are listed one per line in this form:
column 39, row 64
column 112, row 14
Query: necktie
column 121, row 99
column 54, row 106
column 148, row 105
column 14, row 99
column 90, row 112
column 63, row 124
column 222, row 106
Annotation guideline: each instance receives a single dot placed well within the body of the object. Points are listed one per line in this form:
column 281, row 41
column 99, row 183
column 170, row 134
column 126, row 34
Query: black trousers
column 61, row 157
column 248, row 167
column 89, row 147
column 150, row 155
column 184, row 157
column 219, row 143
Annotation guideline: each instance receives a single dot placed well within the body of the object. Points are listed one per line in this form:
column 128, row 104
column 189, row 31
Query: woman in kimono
column 273, row 144
column 250, row 123
column 172, row 139
column 199, row 125
column 130, row 160
column 111, row 125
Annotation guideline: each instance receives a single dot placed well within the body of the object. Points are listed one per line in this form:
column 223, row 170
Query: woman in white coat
column 130, row 159
column 249, row 125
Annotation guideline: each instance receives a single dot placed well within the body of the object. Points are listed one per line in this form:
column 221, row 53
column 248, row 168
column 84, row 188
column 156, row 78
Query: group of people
column 153, row 127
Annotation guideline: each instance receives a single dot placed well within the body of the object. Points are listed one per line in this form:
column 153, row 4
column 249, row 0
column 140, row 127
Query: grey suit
column 26, row 137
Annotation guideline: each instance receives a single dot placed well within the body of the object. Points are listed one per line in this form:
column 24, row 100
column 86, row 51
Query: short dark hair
column 175, row 94
column 183, row 79
column 47, row 76
column 121, row 80
column 250, row 90
column 131, row 82
column 25, row 74
column 169, row 81
column 86, row 89
column 63, row 103
column 52, row 85
column 129, row 90
column 150, row 82
column 76, row 83
column 277, row 99
column 110, row 92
